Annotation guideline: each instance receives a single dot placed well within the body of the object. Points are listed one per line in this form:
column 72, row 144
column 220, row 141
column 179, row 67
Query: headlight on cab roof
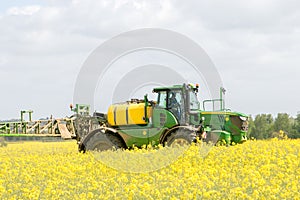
column 243, row 118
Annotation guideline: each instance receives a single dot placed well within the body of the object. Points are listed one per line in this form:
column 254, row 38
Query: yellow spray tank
column 134, row 112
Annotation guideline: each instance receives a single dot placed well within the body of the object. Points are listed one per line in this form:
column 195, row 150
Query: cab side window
column 162, row 99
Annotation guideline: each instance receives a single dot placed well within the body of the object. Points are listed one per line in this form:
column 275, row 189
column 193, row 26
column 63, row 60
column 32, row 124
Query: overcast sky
column 254, row 45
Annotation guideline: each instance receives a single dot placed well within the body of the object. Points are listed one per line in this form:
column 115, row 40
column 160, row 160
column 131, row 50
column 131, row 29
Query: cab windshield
column 194, row 103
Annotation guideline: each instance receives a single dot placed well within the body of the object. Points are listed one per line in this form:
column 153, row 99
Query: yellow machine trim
column 218, row 113
column 128, row 114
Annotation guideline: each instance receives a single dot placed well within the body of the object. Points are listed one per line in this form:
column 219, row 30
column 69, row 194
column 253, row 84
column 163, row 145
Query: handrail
column 213, row 102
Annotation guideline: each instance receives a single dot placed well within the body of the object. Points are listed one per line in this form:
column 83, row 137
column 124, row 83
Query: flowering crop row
column 254, row 170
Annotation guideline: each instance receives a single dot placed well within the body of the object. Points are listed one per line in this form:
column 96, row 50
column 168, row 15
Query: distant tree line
column 265, row 126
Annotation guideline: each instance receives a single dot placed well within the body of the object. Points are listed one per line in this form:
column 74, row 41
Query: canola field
column 55, row 170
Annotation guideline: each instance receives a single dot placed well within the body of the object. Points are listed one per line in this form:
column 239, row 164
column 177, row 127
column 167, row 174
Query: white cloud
column 26, row 10
column 3, row 60
column 253, row 43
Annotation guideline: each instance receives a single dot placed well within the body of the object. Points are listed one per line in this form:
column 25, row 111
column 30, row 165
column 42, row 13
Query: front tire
column 212, row 138
column 181, row 137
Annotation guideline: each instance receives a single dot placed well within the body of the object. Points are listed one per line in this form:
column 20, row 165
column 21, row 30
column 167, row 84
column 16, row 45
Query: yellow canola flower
column 254, row 170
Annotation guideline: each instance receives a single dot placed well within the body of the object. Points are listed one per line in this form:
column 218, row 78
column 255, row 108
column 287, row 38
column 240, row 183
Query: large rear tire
column 181, row 137
column 99, row 141
column 211, row 138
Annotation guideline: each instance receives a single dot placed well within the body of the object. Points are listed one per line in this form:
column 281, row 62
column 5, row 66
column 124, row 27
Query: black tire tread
column 187, row 135
column 108, row 138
